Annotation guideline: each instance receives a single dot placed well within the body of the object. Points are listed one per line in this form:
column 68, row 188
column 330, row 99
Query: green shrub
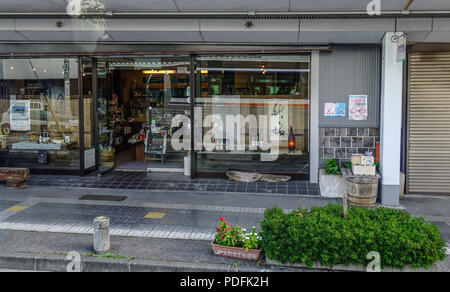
column 348, row 165
column 332, row 167
column 377, row 165
column 323, row 235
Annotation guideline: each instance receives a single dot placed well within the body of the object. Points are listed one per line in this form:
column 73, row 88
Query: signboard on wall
column 401, row 49
column 19, row 115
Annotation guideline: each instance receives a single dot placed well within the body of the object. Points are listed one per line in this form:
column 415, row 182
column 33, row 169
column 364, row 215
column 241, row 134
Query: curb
column 58, row 263
column 438, row 267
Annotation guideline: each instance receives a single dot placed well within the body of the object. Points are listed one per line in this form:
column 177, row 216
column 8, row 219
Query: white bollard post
column 101, row 234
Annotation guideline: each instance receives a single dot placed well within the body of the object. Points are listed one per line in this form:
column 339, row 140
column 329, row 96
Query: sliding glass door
column 254, row 112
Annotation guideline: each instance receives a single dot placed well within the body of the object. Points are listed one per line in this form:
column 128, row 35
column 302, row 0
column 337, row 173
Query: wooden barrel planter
column 362, row 191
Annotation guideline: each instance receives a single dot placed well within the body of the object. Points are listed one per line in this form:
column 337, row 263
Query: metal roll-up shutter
column 428, row 165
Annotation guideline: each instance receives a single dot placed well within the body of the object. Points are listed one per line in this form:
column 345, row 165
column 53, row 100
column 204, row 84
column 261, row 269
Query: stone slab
column 331, row 186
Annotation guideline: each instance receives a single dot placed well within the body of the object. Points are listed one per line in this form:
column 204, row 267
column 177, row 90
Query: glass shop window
column 39, row 113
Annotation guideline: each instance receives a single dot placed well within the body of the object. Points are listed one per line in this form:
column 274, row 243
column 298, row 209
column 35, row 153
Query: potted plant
column 234, row 242
column 331, row 182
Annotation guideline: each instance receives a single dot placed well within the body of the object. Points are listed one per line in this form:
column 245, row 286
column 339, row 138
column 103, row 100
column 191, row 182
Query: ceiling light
column 159, row 71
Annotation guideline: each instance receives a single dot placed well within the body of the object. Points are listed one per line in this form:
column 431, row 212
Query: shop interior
column 127, row 88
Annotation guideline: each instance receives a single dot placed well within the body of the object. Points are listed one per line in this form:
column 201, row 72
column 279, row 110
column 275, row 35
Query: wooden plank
column 14, row 174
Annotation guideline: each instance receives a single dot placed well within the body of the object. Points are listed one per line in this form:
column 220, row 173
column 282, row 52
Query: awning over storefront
column 220, row 5
column 288, row 31
column 214, row 21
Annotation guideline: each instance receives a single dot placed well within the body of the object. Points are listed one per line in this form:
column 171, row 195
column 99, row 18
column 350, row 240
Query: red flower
column 222, row 218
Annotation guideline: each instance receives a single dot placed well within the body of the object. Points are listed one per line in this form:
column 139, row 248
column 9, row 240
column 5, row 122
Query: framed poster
column 19, row 115
column 332, row 109
column 339, row 109
column 357, row 107
column 329, row 109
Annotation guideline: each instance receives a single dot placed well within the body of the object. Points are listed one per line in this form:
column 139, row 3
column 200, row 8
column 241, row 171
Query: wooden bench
column 14, row 177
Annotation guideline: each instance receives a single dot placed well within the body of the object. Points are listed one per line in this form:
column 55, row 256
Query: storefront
column 79, row 114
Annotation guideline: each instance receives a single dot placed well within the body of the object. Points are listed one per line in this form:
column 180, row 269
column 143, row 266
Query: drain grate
column 103, row 198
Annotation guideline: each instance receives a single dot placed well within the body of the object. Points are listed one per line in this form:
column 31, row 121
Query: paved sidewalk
column 150, row 214
column 152, row 225
column 165, row 214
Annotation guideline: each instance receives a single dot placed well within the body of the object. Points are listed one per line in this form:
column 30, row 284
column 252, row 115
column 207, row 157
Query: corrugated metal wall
column 428, row 164
column 350, row 71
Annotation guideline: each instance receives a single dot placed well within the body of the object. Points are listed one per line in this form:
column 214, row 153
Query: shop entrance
column 137, row 100
column 250, row 113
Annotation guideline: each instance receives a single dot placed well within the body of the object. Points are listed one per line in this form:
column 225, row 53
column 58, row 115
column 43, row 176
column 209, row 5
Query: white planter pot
column 331, row 185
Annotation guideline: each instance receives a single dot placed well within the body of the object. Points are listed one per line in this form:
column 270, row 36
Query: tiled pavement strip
column 179, row 221
column 175, row 182
column 173, row 221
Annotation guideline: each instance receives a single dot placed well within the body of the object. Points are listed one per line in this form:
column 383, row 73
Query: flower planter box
column 238, row 253
column 331, row 185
